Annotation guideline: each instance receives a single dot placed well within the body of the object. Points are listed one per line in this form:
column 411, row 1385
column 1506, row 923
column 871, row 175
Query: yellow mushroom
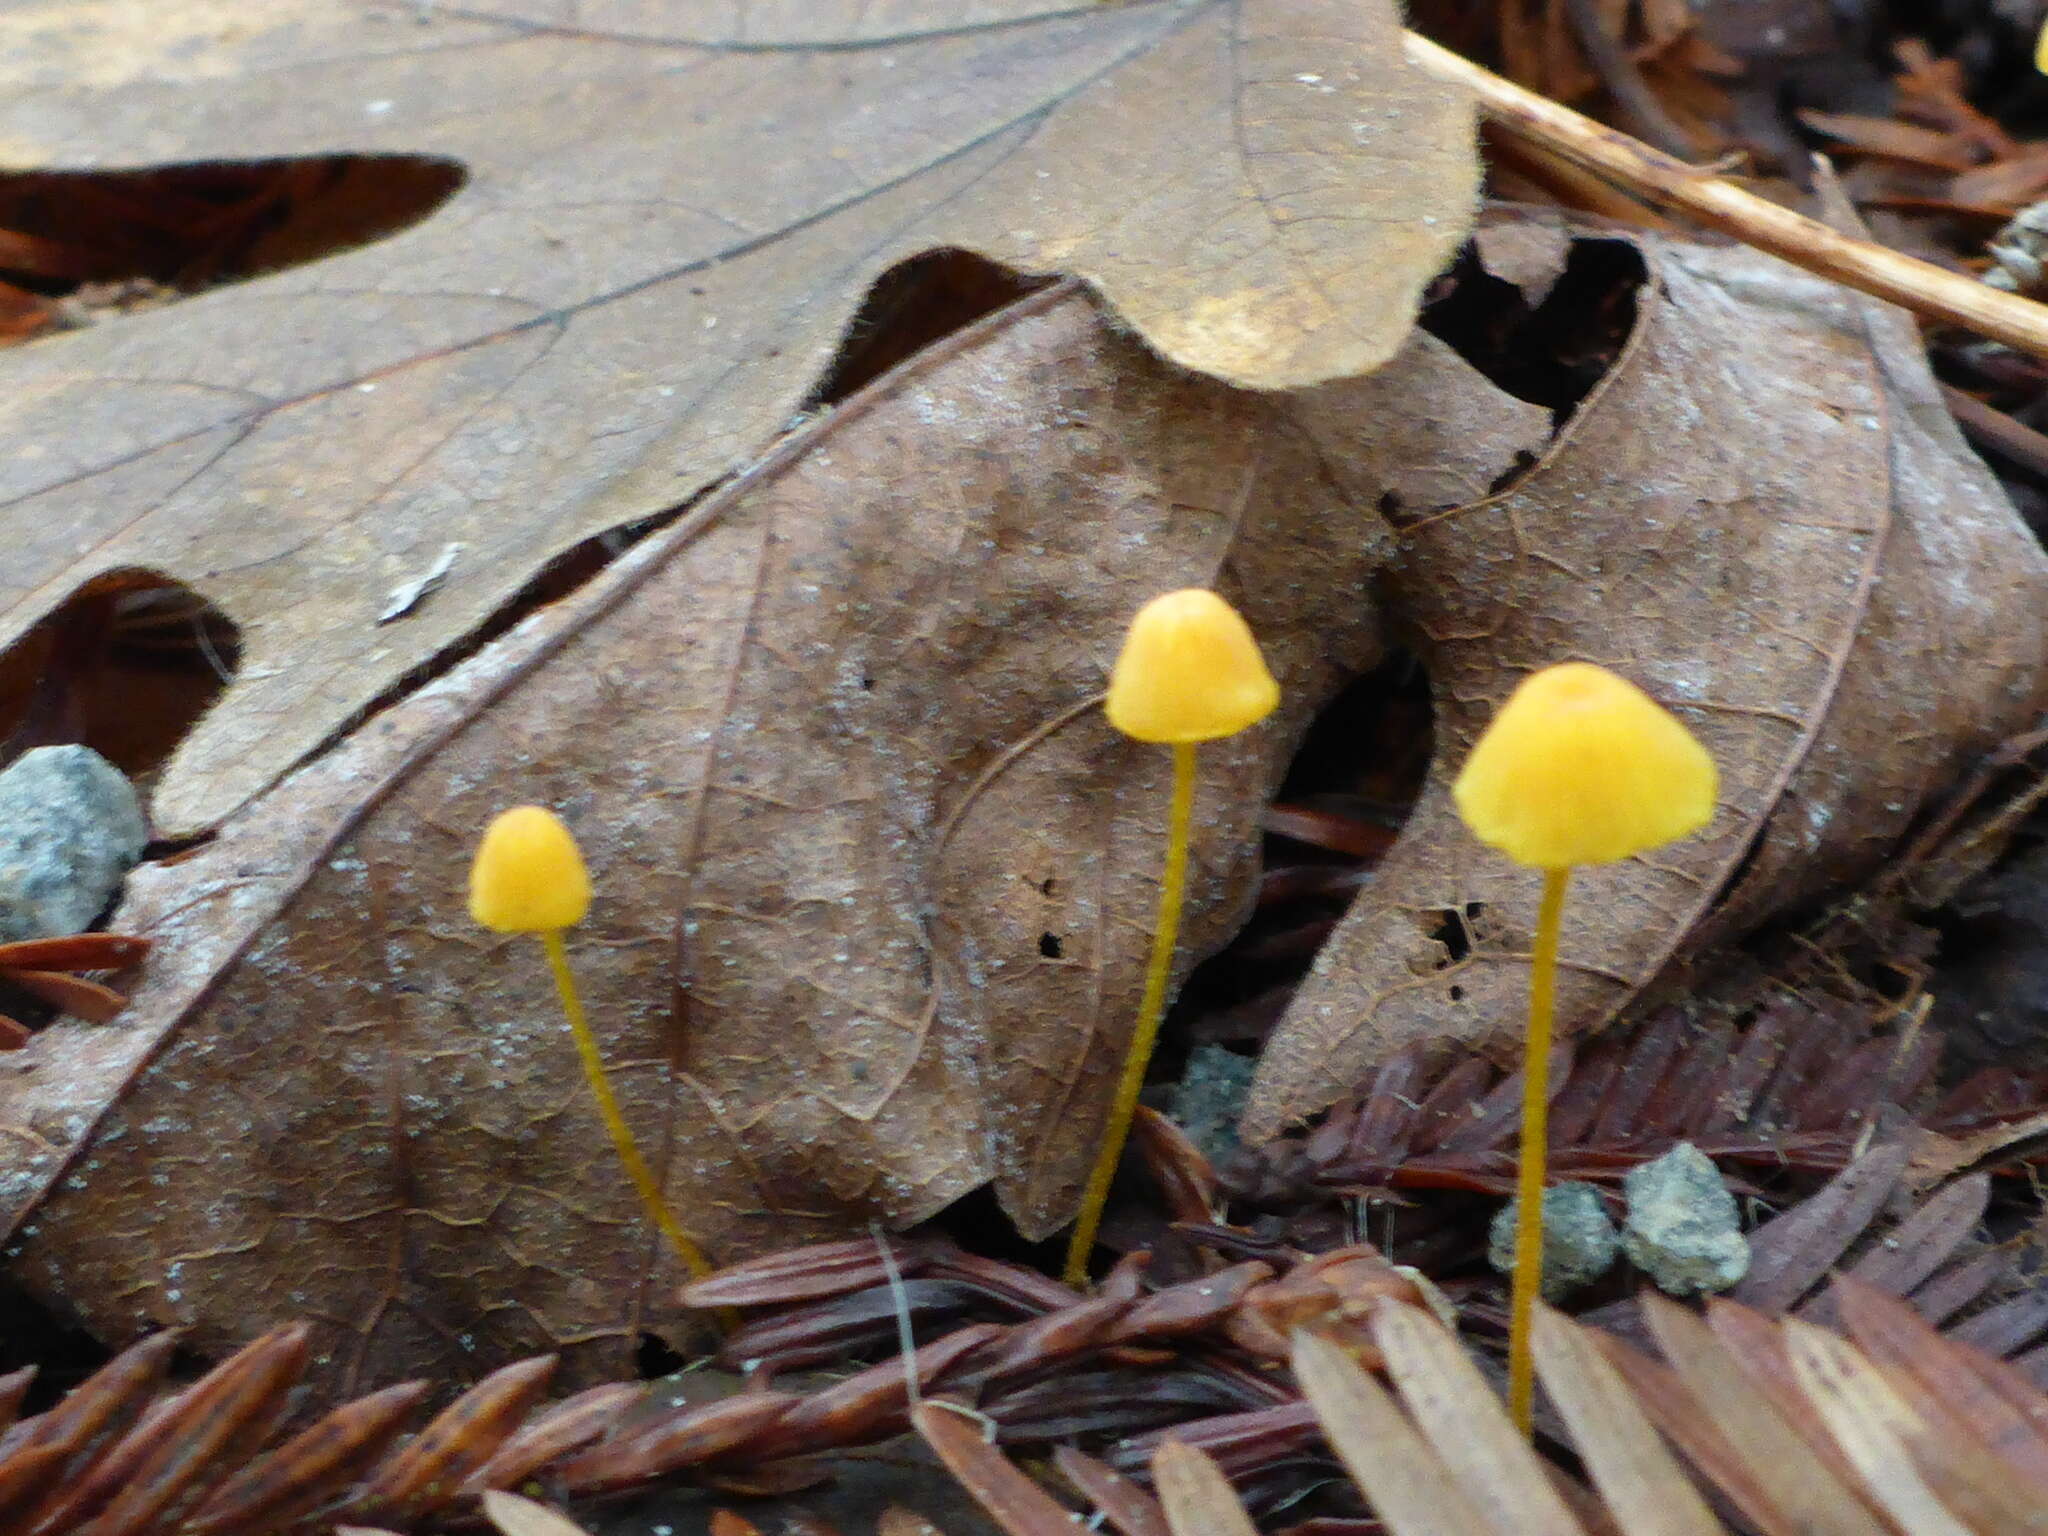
column 1579, row 767
column 528, row 877
column 1189, row 672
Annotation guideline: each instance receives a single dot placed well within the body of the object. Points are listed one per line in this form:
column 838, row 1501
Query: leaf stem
column 1528, row 1279
column 608, row 1107
column 1165, row 932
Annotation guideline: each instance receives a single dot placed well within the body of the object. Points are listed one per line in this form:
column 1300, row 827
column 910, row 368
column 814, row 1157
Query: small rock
column 71, row 828
column 1579, row 1242
column 1210, row 1096
column 1682, row 1229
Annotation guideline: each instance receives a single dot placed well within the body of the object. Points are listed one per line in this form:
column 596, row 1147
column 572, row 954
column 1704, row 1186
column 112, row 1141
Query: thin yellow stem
column 1152, row 1007
column 608, row 1106
column 1535, row 1147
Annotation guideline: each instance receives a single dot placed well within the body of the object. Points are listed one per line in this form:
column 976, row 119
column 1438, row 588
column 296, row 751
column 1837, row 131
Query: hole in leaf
column 655, row 1358
column 189, row 227
column 911, row 306
column 1457, row 931
column 126, row 666
column 32, row 1333
column 1551, row 355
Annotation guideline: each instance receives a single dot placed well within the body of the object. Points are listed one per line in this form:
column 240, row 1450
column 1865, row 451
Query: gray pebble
column 1210, row 1096
column 1579, row 1242
column 1682, row 1229
column 71, row 828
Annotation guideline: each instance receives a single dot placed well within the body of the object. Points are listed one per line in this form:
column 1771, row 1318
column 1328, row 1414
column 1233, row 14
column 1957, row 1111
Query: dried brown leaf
column 517, row 1516
column 1407, row 1483
column 1636, row 1476
column 1953, row 1375
column 306, row 1471
column 162, row 1468
column 1792, row 1253
column 1678, row 1414
column 1872, row 1424
column 429, row 1473
column 1775, row 1457
column 1765, row 516
column 1196, row 1496
column 1463, row 1420
column 1757, row 1345
column 1016, row 1504
column 596, row 325
column 1970, row 1472
column 1920, row 1244
column 841, row 721
column 1122, row 1502
column 556, row 1434
column 13, row 1388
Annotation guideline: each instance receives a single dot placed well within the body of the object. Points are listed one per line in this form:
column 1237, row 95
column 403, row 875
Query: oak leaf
column 668, row 214
column 840, row 720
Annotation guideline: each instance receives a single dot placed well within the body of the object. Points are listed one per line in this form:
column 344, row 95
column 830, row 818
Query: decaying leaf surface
column 1762, row 515
column 669, row 214
column 842, row 720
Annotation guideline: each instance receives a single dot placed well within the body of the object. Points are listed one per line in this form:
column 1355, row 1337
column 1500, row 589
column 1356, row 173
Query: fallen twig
column 1673, row 186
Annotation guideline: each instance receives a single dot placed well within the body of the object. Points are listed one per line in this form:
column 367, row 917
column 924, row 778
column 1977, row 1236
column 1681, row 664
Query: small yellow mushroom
column 528, row 877
column 1579, row 767
column 1189, row 672
column 1583, row 767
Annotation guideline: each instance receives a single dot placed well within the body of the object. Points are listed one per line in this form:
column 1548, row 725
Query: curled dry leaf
column 1763, row 515
column 617, row 308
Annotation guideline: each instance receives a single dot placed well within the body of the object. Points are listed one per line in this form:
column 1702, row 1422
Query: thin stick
column 1672, row 185
column 608, row 1107
column 1535, row 1148
column 1165, row 931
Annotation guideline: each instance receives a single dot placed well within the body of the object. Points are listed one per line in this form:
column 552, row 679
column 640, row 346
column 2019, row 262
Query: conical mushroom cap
column 1190, row 671
column 1583, row 767
column 528, row 876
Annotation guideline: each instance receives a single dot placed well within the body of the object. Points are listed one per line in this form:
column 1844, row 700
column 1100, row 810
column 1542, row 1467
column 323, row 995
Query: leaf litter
column 839, row 720
column 1848, row 1415
column 1840, row 639
column 616, row 308
column 899, row 576
column 1134, row 1369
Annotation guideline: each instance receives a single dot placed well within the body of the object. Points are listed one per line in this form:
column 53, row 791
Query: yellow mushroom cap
column 1189, row 671
column 1583, row 767
column 528, row 876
